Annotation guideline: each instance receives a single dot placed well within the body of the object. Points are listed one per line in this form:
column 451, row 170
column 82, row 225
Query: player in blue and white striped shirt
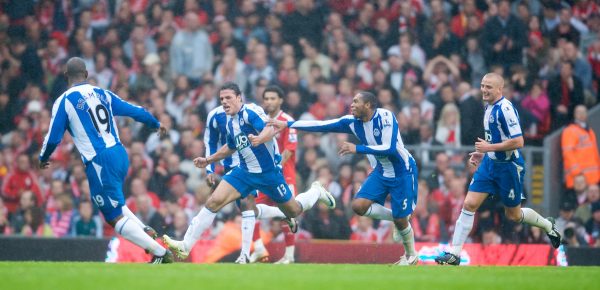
column 248, row 134
column 394, row 169
column 87, row 112
column 501, row 171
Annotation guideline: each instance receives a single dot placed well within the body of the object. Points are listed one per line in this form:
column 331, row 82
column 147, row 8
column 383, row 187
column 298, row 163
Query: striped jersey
column 87, row 112
column 501, row 122
column 215, row 136
column 251, row 119
column 380, row 139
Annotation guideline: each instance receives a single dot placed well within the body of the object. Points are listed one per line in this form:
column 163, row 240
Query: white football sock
column 248, row 222
column 199, row 224
column 408, row 240
column 531, row 217
column 132, row 232
column 308, row 199
column 128, row 213
column 380, row 212
column 268, row 212
column 289, row 252
column 463, row 227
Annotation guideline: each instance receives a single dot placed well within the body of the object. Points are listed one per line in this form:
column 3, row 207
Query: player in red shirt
column 286, row 141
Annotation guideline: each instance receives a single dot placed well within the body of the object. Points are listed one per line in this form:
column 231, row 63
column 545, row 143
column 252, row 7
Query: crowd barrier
column 315, row 251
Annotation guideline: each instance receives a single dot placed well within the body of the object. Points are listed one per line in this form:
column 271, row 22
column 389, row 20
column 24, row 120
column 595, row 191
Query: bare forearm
column 222, row 153
column 266, row 134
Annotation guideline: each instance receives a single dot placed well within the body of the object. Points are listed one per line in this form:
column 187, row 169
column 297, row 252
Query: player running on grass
column 258, row 169
column 394, row 169
column 501, row 171
column 215, row 136
column 87, row 112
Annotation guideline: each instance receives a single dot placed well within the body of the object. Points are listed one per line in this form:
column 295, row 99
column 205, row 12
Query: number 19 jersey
column 87, row 112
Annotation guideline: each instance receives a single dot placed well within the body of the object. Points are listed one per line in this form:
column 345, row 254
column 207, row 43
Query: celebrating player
column 258, row 169
column 394, row 169
column 87, row 112
column 286, row 141
column 501, row 170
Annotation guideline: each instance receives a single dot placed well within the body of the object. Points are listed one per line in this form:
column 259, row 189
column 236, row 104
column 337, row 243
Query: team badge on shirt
column 376, row 132
column 491, row 118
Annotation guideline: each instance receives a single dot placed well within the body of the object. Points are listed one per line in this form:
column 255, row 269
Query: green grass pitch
column 73, row 275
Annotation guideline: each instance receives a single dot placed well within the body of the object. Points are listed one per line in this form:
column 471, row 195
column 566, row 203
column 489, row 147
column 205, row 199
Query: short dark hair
column 274, row 89
column 369, row 97
column 231, row 86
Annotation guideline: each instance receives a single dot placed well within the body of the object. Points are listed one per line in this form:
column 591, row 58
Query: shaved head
column 496, row 78
column 491, row 87
column 76, row 70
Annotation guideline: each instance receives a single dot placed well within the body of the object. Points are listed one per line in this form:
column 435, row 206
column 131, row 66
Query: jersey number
column 100, row 115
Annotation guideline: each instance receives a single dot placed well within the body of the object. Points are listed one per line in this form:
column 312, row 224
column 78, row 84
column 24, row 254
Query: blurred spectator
column 571, row 229
column 21, row 178
column 580, row 150
column 490, row 237
column 565, row 92
column 191, row 53
column 35, row 225
column 364, row 231
column 470, row 112
column 184, row 199
column 503, row 37
column 61, row 220
column 593, row 225
column 5, row 228
column 17, row 219
column 324, row 223
column 85, row 223
column 426, row 222
column 436, row 179
column 565, row 30
column 538, row 104
column 147, row 212
column 584, row 211
column 448, row 126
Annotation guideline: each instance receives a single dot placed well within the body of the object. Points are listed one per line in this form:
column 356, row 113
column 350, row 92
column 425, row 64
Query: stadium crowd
column 423, row 59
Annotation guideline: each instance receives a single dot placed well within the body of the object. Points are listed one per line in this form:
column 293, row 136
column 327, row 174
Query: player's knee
column 213, row 204
column 360, row 208
column 401, row 223
column 470, row 206
column 513, row 216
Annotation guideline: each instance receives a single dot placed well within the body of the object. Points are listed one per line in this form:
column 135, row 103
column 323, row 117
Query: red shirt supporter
column 18, row 181
column 287, row 139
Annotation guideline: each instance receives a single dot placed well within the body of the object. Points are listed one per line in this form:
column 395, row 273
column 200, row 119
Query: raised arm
column 58, row 125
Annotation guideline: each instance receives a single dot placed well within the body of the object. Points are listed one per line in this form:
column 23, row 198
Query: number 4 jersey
column 87, row 112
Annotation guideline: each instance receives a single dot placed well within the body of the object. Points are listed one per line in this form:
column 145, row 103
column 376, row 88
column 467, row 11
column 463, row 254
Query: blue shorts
column 500, row 177
column 271, row 183
column 106, row 174
column 403, row 190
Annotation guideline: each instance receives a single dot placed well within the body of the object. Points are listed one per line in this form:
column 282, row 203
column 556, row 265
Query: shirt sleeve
column 389, row 138
column 257, row 118
column 509, row 121
column 290, row 141
column 123, row 108
column 340, row 125
column 58, row 125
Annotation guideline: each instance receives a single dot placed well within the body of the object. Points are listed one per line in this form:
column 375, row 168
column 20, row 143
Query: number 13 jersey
column 87, row 112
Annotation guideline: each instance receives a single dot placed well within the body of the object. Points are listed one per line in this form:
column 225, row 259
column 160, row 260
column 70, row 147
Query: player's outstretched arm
column 123, row 108
column 340, row 125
